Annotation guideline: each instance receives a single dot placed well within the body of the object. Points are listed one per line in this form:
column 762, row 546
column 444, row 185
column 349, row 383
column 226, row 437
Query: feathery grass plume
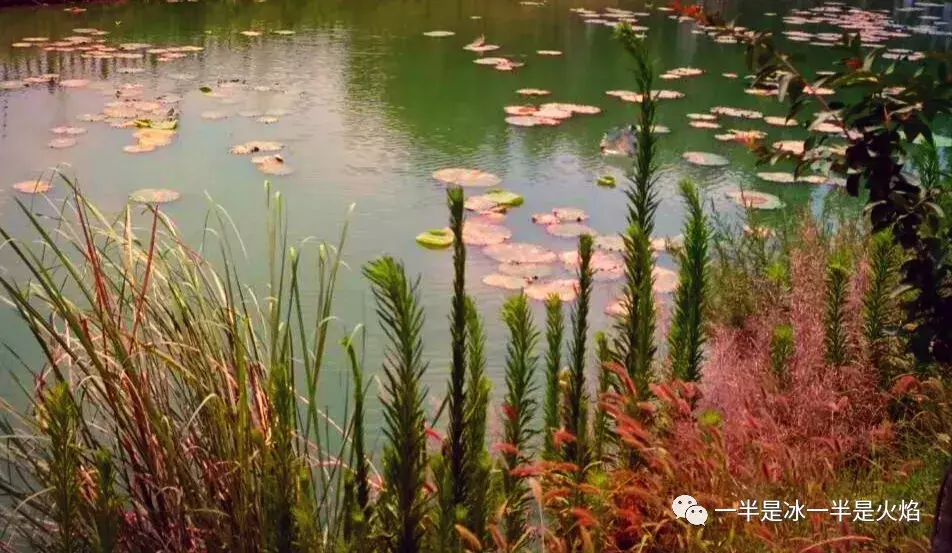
column 519, row 409
column 689, row 326
column 600, row 426
column 879, row 305
column 554, row 331
column 835, row 340
column 576, row 399
column 404, row 461
column 457, row 386
column 635, row 329
column 358, row 521
column 107, row 511
column 478, row 488
column 60, row 424
column 781, row 353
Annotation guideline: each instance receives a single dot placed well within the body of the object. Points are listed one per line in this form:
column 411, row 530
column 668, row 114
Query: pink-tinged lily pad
column 520, row 110
column 737, row 112
column 550, row 112
column 610, row 243
column 283, row 32
column 154, row 137
column 273, row 165
column 438, row 34
column 795, row 147
column 814, row 179
column 35, row 39
column 480, row 204
column 121, row 112
column 139, row 149
column 762, row 92
column 755, row 200
column 520, row 252
column 466, row 178
column 488, row 217
column 570, row 214
column 729, row 75
column 780, row 121
column 506, row 282
column 267, row 119
column 489, row 61
column 154, row 196
column 702, row 117
column 704, row 125
column 256, row 146
column 569, row 230
column 21, row 45
column 531, row 121
column 33, row 187
column 777, row 177
column 602, row 261
column 74, row 83
column 665, row 280
column 529, row 271
column 565, row 289
column 484, row 234
column 68, row 131
column 59, row 143
column 545, row 219
column 705, row 159
column 533, row 92
column 482, row 48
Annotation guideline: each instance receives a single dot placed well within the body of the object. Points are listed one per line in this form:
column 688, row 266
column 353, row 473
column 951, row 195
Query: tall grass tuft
column 519, row 410
column 63, row 464
column 834, row 321
column 404, row 458
column 457, row 385
column 880, row 308
column 781, row 354
column 576, row 400
column 357, row 525
column 601, row 430
column 688, row 329
column 554, row 331
column 479, row 467
column 635, row 329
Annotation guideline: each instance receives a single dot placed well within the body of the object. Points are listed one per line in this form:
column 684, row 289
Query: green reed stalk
column 781, row 353
column 554, row 331
column 358, row 453
column 576, row 400
column 478, row 488
column 519, row 408
column 601, row 434
column 404, row 462
column 879, row 306
column 834, row 321
column 457, row 386
column 688, row 328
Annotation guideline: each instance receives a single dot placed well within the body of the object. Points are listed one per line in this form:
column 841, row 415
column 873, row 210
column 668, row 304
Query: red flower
column 561, row 437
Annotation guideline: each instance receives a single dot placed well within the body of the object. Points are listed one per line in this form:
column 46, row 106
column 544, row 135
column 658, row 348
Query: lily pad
column 506, row 282
column 755, row 200
column 505, row 197
column 214, row 115
column 520, row 110
column 154, row 137
column 780, row 121
column 602, row 261
column 705, row 159
column 545, row 219
column 531, row 121
column 549, row 52
column 33, row 187
column 154, row 196
column 570, row 214
column 607, row 181
column 282, row 32
column 795, row 147
column 267, row 119
column 520, row 252
column 250, row 33
column 138, row 149
column 778, row 177
column 569, row 230
column 467, row 178
column 529, row 271
column 74, row 83
column 59, row 143
column 702, row 117
column 533, row 92
column 274, row 165
column 484, row 234
column 665, row 280
column 256, row 146
column 438, row 34
column 489, row 61
column 704, row 125
column 565, row 289
column 737, row 112
column 436, row 239
column 69, row 131
column 610, row 243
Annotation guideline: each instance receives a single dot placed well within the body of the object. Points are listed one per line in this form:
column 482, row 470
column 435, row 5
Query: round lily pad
column 780, row 121
column 33, row 186
column 74, row 83
column 601, row 261
column 549, row 52
column 520, row 252
column 481, row 204
column 705, row 159
column 214, row 115
column 274, row 165
column 138, row 149
column 256, row 146
column 267, row 119
column 570, row 214
column 551, row 112
column 520, row 110
column 436, row 239
column 795, row 147
column 250, row 33
column 533, row 92
column 755, row 200
column 507, row 282
column 488, row 217
column 607, row 181
column 467, row 178
column 530, row 271
column 154, row 137
column 484, row 234
column 438, row 34
column 665, row 280
column 59, row 143
column 610, row 243
column 737, row 112
column 569, row 230
column 531, row 121
column 814, row 179
column 282, row 32
column 545, row 219
column 154, row 196
column 778, row 177
column 68, row 131
column 505, row 197
column 565, row 289
column 702, row 117
column 704, row 125
column 489, row 61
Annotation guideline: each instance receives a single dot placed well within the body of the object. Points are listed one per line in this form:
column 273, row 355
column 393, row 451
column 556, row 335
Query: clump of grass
column 836, row 338
column 880, row 309
column 781, row 353
column 554, row 330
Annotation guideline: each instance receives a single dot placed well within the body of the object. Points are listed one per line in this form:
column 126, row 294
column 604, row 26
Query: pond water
column 368, row 107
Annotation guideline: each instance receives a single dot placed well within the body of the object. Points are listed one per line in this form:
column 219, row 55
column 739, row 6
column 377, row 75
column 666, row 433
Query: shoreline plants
column 176, row 410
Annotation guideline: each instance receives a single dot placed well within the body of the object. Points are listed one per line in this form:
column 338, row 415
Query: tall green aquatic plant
column 635, row 346
column 688, row 328
column 479, row 465
column 357, row 524
column 519, row 409
column 781, row 353
column 457, row 386
column 554, row 331
column 880, row 307
column 62, row 478
column 576, row 398
column 835, row 340
column 404, row 460
column 601, row 431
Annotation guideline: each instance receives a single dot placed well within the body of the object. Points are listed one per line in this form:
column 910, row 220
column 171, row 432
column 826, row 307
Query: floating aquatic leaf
column 484, row 234
column 283, row 32
column 69, row 131
column 35, row 39
column 755, row 200
column 795, row 147
column 467, row 178
column 33, row 187
column 607, row 181
column 138, row 149
column 214, row 115
column 507, row 65
column 154, row 196
column 529, row 271
column 74, row 83
column 761, row 91
column 729, row 75
column 437, row 239
column 778, row 177
column 506, row 282
column 438, row 34
column 602, row 261
column 520, row 110
column 490, row 61
column 59, row 143
column 489, row 217
column 702, row 117
column 154, row 137
column 482, row 48
column 549, row 111
column 533, row 92
column 665, row 280
column 267, row 119
column 121, row 112
column 21, row 45
column 250, row 33
column 531, row 121
column 565, row 289
column 520, row 252
column 549, row 52
column 569, row 230
column 780, row 121
column 704, row 125
column 90, row 117
column 737, row 112
column 505, row 197
column 545, row 219
column 256, row 146
column 570, row 214
column 610, row 243
column 705, row 159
